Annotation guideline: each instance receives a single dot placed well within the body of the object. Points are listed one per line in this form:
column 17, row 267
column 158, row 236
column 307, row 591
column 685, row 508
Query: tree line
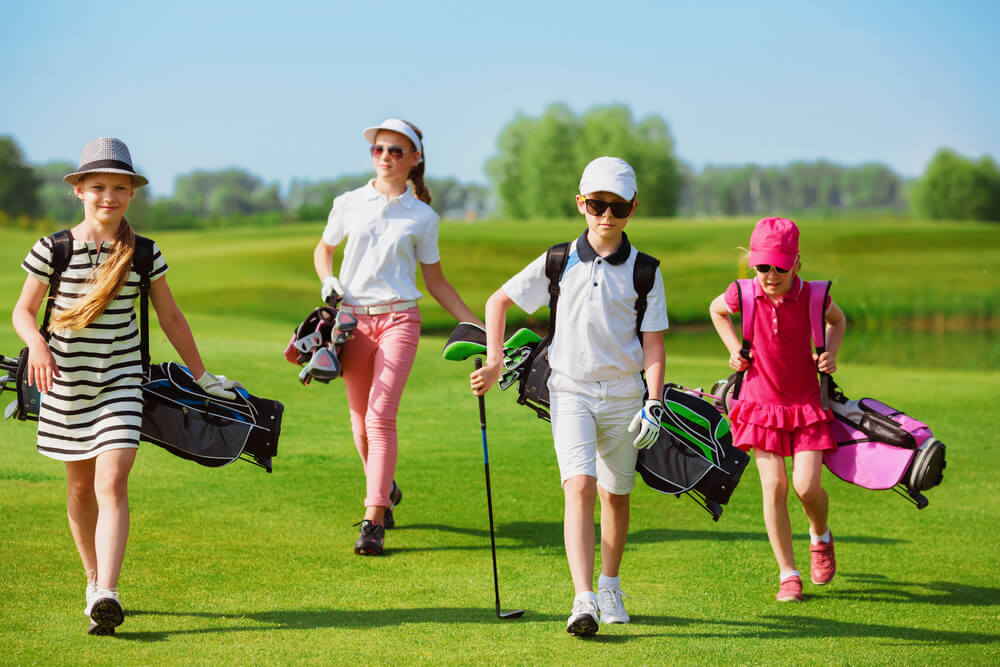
column 538, row 161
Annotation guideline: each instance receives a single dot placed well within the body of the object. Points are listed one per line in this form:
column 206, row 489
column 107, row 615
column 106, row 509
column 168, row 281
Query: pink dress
column 779, row 408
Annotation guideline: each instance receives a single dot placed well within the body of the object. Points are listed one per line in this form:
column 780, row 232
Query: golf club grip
column 482, row 398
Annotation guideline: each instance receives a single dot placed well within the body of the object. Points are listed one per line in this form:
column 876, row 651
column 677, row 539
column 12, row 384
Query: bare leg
column 111, row 535
column 807, row 469
column 81, row 508
column 580, row 492
column 774, row 483
column 614, row 530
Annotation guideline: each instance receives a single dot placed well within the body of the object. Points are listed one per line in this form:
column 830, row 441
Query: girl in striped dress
column 88, row 367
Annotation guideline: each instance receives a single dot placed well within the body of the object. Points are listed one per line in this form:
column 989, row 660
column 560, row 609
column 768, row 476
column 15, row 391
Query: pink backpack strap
column 748, row 308
column 818, row 291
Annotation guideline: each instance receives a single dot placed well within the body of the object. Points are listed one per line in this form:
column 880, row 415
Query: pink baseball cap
column 774, row 241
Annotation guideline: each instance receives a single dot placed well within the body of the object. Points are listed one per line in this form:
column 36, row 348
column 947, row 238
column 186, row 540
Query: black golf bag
column 27, row 397
column 179, row 416
column 694, row 453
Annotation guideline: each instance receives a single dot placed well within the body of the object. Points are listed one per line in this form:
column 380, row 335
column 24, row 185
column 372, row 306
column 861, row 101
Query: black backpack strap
column 62, row 251
column 643, row 277
column 555, row 263
column 142, row 263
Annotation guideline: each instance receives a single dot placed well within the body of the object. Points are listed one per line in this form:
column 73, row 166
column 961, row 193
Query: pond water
column 964, row 350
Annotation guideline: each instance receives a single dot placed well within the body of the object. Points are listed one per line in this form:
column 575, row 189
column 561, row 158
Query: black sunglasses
column 395, row 152
column 766, row 268
column 619, row 209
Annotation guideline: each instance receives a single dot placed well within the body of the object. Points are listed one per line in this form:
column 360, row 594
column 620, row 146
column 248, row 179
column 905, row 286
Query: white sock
column 816, row 539
column 786, row 574
column 586, row 595
column 610, row 583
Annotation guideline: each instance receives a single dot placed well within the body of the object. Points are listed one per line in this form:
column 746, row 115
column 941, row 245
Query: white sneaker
column 106, row 613
column 91, row 596
column 612, row 606
column 583, row 621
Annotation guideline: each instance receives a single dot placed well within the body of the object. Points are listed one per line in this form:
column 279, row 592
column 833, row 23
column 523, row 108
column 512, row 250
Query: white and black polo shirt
column 595, row 337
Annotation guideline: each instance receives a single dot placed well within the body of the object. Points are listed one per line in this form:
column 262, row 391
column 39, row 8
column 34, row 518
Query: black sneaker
column 395, row 497
column 372, row 539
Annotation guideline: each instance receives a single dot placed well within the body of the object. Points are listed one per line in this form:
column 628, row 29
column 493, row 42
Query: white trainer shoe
column 106, row 613
column 583, row 621
column 91, row 596
column 612, row 606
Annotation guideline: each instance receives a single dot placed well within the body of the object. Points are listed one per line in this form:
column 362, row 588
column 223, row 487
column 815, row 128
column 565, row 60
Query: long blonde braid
column 103, row 285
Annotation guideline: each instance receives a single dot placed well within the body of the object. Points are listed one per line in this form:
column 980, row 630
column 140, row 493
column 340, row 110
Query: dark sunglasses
column 619, row 209
column 395, row 152
column 766, row 268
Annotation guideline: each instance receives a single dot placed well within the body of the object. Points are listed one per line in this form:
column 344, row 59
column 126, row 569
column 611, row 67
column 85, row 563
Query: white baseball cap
column 608, row 174
column 395, row 125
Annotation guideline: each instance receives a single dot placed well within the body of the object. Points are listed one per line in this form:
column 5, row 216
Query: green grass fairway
column 235, row 566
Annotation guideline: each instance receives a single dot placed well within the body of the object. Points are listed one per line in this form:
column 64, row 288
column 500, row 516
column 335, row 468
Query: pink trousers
column 376, row 364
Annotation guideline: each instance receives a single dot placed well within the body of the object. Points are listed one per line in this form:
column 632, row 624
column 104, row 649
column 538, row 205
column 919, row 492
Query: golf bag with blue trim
column 179, row 416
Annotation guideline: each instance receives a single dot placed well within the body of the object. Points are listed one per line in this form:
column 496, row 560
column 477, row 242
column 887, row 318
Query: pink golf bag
column 879, row 447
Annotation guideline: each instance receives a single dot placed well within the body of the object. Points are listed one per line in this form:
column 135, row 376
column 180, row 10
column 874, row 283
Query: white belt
column 379, row 310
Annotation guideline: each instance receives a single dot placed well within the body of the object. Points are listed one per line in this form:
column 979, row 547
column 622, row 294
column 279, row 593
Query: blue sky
column 284, row 89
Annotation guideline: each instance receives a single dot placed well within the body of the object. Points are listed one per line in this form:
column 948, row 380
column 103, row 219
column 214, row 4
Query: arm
column 496, row 321
column 654, row 361
column 445, row 294
column 323, row 259
column 41, row 364
column 723, row 324
column 836, row 324
column 175, row 326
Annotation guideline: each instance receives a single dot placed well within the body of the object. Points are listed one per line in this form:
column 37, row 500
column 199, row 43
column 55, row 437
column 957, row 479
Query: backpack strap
column 555, row 264
column 819, row 290
column 748, row 309
column 62, row 251
column 643, row 277
column 142, row 263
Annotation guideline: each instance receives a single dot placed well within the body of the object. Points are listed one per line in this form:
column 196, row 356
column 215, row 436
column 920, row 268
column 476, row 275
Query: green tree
column 18, row 182
column 539, row 161
column 56, row 195
column 958, row 188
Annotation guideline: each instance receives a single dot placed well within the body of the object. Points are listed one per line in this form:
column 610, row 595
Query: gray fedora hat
column 105, row 155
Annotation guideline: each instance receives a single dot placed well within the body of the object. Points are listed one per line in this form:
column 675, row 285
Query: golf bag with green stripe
column 694, row 453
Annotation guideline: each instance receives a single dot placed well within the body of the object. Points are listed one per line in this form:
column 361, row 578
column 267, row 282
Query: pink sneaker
column 791, row 590
column 823, row 565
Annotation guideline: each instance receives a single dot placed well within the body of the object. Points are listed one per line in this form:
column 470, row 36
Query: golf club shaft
column 489, row 492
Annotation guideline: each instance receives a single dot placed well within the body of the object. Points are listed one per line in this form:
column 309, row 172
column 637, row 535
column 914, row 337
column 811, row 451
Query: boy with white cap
column 595, row 389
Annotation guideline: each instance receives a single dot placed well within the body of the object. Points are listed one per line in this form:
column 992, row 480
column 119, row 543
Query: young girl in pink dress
column 778, row 413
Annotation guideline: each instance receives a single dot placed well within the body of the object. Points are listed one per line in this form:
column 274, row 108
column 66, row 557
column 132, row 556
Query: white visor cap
column 608, row 174
column 395, row 125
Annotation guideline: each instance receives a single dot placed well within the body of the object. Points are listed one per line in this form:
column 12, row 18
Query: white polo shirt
column 386, row 238
column 595, row 337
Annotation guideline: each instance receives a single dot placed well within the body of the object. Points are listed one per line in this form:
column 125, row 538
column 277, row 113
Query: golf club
column 517, row 613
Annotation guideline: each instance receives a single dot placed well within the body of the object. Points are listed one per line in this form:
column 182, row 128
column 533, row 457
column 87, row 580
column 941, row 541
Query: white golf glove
column 331, row 286
column 218, row 385
column 647, row 420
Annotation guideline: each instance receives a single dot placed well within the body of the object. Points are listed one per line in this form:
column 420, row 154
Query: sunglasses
column 619, row 209
column 395, row 152
column 766, row 268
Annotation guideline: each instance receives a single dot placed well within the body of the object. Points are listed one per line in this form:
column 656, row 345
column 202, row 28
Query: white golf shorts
column 590, row 429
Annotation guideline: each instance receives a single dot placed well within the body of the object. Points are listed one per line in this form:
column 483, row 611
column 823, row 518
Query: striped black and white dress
column 96, row 402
